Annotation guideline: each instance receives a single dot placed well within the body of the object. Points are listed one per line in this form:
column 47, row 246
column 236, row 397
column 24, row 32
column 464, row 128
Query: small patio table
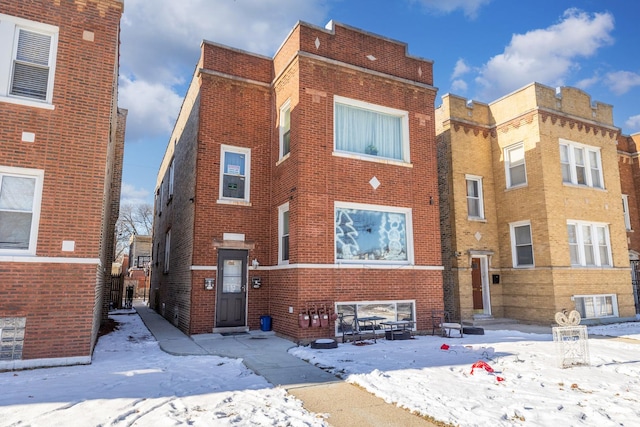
column 401, row 326
column 369, row 322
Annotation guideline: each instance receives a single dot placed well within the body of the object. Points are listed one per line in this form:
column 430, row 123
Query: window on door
column 475, row 206
column 521, row 244
column 283, row 234
column 514, row 163
column 235, row 174
column 20, row 199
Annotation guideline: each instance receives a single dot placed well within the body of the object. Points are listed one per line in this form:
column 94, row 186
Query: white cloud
column 132, row 195
column 546, row 55
column 633, row 123
column 621, row 82
column 459, row 86
column 161, row 45
column 152, row 107
column 461, row 68
column 584, row 84
column 469, row 7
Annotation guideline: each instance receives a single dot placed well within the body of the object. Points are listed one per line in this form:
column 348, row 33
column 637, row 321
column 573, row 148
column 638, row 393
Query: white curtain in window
column 368, row 132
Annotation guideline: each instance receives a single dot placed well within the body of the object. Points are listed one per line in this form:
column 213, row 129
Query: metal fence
column 635, row 280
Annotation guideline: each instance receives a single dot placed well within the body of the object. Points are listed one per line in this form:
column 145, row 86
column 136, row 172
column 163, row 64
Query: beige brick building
column 531, row 212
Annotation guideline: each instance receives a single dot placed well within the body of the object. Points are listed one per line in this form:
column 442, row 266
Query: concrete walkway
column 267, row 355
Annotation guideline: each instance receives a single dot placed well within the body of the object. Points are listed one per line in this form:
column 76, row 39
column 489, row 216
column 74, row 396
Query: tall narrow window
column 515, row 168
column 171, row 174
column 580, row 164
column 20, row 197
column 625, row 211
column 475, row 205
column 371, row 130
column 285, row 128
column 522, row 244
column 167, row 251
column 234, row 177
column 283, row 234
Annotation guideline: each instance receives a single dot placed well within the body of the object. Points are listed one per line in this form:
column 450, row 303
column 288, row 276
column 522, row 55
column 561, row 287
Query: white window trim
column 507, row 164
column 587, row 163
column 247, row 167
column 614, row 303
column 478, row 179
column 514, row 253
column 596, row 250
column 285, row 106
column 38, row 174
column 625, row 212
column 167, row 251
column 9, row 26
column 281, row 210
column 404, row 117
column 378, row 208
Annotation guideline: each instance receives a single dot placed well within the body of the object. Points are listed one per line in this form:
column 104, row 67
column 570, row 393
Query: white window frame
column 247, row 176
column 10, row 27
column 581, row 245
column 171, row 177
column 479, row 198
column 508, row 165
column 514, row 251
column 596, row 305
column 404, row 120
column 625, row 212
column 38, row 174
column 589, row 167
column 167, row 251
column 282, row 209
column 285, row 110
column 377, row 208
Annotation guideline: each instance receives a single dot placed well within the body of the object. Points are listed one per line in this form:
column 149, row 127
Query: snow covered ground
column 132, row 382
column 526, row 386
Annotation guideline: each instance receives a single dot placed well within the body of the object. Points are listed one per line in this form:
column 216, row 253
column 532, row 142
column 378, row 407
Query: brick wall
column 76, row 145
column 240, row 95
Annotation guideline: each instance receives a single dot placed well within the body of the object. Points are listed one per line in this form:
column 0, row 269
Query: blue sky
column 482, row 50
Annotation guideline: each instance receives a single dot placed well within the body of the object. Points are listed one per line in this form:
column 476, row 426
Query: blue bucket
column 265, row 323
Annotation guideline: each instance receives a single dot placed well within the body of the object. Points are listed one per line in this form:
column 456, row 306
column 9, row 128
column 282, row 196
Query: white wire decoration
column 571, row 340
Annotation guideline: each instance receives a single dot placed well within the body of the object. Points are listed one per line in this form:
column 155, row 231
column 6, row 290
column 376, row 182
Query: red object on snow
column 444, row 347
column 500, row 379
column 481, row 365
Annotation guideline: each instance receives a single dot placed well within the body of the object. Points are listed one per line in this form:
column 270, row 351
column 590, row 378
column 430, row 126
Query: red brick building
column 61, row 147
column 303, row 181
column 628, row 162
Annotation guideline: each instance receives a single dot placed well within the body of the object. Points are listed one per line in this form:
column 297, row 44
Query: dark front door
column 232, row 288
column 476, row 283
